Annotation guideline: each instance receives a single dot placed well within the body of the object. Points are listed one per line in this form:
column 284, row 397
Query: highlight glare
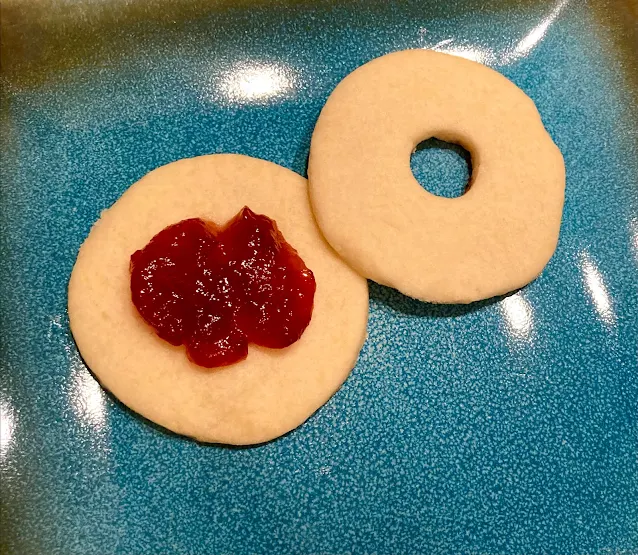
column 519, row 315
column 7, row 427
column 256, row 82
column 597, row 289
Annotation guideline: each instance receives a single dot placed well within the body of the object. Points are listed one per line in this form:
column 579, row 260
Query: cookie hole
column 442, row 168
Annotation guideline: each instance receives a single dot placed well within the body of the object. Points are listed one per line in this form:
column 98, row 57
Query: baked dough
column 260, row 398
column 495, row 238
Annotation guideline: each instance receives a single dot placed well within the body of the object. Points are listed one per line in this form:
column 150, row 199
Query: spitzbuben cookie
column 257, row 399
column 495, row 238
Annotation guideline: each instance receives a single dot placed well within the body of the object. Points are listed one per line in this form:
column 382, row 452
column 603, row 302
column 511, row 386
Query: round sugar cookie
column 495, row 238
column 271, row 391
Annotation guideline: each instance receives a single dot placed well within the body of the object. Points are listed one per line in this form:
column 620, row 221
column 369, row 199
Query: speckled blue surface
column 510, row 427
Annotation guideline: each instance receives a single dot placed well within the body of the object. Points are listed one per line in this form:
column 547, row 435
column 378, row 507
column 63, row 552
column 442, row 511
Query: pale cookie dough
column 495, row 238
column 260, row 398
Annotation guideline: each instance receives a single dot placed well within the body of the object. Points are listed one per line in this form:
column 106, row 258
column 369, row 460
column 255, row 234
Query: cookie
column 495, row 238
column 257, row 399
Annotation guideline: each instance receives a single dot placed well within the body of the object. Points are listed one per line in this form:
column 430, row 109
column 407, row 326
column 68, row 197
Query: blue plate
column 510, row 426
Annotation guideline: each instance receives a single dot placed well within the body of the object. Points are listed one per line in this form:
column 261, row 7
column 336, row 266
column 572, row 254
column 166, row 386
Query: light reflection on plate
column 7, row 427
column 489, row 56
column 534, row 37
column 519, row 316
column 254, row 82
column 597, row 289
column 86, row 396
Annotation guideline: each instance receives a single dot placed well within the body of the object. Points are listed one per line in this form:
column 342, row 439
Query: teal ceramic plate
column 509, row 427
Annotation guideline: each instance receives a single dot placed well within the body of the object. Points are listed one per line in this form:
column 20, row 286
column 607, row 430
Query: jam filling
column 215, row 290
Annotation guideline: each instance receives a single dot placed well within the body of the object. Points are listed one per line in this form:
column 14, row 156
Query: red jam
column 216, row 290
